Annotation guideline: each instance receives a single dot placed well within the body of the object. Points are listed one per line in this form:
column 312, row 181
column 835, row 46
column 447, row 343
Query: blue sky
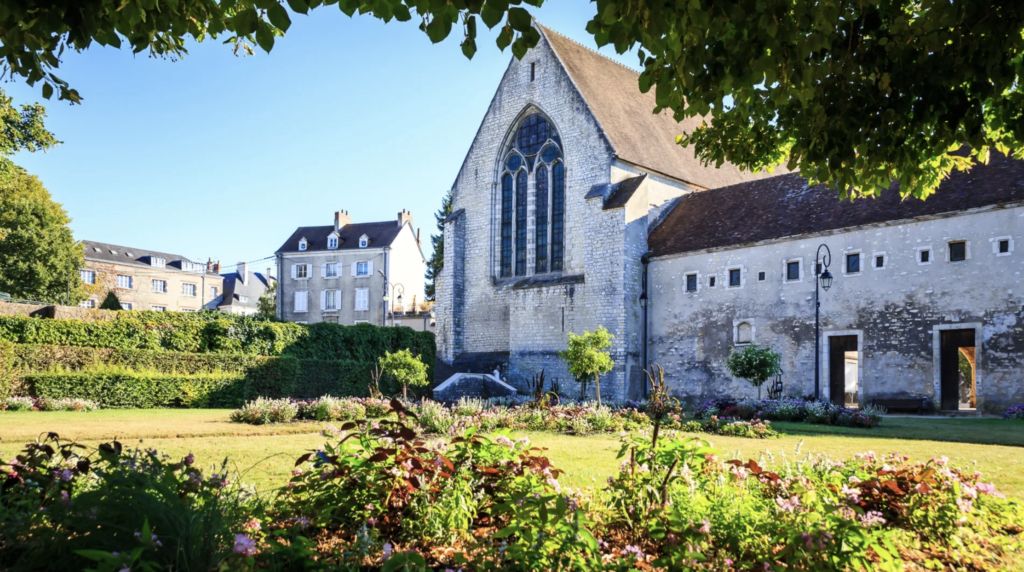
column 222, row 157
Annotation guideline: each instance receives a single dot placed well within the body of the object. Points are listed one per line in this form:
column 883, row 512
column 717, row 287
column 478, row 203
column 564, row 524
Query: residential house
column 243, row 289
column 339, row 273
column 148, row 280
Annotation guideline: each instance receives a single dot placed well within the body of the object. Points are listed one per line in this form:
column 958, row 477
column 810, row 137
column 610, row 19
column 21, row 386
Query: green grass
column 266, row 454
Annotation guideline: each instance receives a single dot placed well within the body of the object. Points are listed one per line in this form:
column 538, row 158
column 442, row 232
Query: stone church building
column 573, row 190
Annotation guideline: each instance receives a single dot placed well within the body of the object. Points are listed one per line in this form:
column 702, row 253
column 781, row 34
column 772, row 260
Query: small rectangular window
column 853, row 263
column 213, row 292
column 88, row 276
column 126, row 305
column 1004, row 246
column 242, row 298
column 691, row 282
column 87, row 303
column 158, row 308
column 760, row 276
column 160, row 286
column 711, row 282
column 793, row 270
column 124, row 281
column 302, row 271
column 734, row 277
column 533, row 70
column 362, row 269
column 188, row 290
column 331, row 270
column 880, row 261
column 331, row 300
column 957, row 251
column 926, row 256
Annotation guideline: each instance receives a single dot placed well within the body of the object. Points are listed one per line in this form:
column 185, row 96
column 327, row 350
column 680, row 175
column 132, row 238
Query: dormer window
column 157, row 261
column 332, row 242
column 364, row 241
column 303, row 244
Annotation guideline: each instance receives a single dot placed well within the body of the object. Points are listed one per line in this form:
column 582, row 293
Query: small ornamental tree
column 267, row 304
column 588, row 355
column 405, row 368
column 754, row 364
column 111, row 302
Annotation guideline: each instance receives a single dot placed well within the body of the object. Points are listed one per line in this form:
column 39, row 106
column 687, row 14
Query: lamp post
column 398, row 298
column 822, row 278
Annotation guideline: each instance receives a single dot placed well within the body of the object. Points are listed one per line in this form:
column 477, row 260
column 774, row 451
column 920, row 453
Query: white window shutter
column 369, row 268
column 298, row 297
column 323, row 271
column 354, row 268
column 294, row 275
column 323, row 299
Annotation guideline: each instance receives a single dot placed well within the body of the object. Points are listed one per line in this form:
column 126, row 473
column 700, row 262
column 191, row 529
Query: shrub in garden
column 588, row 357
column 8, row 369
column 63, row 507
column 19, row 404
column 329, row 408
column 755, row 364
column 263, row 411
column 405, row 369
column 791, row 409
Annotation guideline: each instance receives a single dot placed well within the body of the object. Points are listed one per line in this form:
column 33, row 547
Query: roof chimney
column 243, row 271
column 209, row 266
column 216, row 267
column 341, row 218
column 269, row 276
column 404, row 217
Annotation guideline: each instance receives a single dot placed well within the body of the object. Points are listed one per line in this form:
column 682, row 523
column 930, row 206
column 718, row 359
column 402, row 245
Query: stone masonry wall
column 896, row 310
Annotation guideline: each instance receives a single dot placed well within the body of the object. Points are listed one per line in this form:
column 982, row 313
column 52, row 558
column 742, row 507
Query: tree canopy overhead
column 853, row 94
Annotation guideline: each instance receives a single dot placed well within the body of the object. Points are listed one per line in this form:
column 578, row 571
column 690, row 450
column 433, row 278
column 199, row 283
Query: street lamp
column 823, row 278
column 398, row 299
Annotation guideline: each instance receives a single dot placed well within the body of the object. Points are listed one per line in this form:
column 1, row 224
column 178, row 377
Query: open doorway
column 957, row 358
column 843, row 366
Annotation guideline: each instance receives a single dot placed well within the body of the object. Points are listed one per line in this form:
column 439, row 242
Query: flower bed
column 380, row 497
column 47, row 404
column 1015, row 412
column 791, row 409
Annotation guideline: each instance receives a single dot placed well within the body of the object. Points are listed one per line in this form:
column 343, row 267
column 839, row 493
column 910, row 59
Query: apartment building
column 149, row 280
column 350, row 273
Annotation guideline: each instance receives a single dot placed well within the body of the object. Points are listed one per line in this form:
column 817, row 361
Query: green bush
column 212, row 332
column 8, row 369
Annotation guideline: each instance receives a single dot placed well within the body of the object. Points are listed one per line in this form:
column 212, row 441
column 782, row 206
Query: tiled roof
column 785, row 206
column 626, row 115
column 379, row 233
column 255, row 286
column 113, row 253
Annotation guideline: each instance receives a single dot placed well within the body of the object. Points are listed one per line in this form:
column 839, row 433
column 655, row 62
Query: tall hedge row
column 212, row 332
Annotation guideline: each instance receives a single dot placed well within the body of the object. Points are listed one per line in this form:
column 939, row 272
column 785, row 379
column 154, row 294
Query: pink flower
column 871, row 518
column 852, row 494
column 244, row 545
column 189, row 459
column 706, row 528
column 788, row 505
column 297, row 473
column 989, row 489
column 252, row 526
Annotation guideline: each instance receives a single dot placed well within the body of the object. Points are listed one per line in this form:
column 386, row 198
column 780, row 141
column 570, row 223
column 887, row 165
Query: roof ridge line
column 591, row 50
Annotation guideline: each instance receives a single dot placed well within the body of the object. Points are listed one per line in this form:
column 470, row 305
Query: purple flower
column 387, row 550
column 244, row 545
column 189, row 459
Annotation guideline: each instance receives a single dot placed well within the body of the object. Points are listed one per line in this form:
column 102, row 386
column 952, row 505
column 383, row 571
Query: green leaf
column 94, row 555
column 265, row 37
column 245, row 21
column 299, row 6
column 519, row 18
column 504, row 38
column 469, row 48
column 47, row 90
column 588, row 538
column 506, row 532
column 279, row 17
column 491, row 15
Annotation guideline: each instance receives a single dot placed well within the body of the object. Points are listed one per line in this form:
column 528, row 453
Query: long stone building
column 572, row 184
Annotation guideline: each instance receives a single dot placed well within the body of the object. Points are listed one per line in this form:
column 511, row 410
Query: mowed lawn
column 264, row 455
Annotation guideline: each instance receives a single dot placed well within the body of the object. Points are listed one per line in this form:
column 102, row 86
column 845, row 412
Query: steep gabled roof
column 637, row 135
column 380, row 234
column 116, row 254
column 256, row 285
column 785, row 206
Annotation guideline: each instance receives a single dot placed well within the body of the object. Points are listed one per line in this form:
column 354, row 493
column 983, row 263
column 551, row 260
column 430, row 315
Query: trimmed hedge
column 213, row 332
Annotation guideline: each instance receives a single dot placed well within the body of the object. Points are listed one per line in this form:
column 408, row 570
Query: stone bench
column 901, row 404
column 480, row 385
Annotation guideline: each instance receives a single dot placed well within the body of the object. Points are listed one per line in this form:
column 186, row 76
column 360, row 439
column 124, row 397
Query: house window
column 88, row 276
column 853, row 263
column 213, row 292
column 744, row 333
column 160, row 286
column 157, row 261
column 301, row 271
column 188, row 290
column 90, row 303
column 364, row 241
column 188, row 309
column 924, row 256
column 242, row 298
column 301, row 301
column 332, row 242
column 1004, row 246
column 535, row 153
column 691, row 282
column 957, row 251
column 362, row 299
column 711, row 282
column 879, row 261
column 331, row 270
column 126, row 305
column 158, row 308
column 124, row 282
column 331, row 300
column 533, row 71
column 303, row 244
column 735, row 276
column 362, row 268
column 793, row 270
column 760, row 276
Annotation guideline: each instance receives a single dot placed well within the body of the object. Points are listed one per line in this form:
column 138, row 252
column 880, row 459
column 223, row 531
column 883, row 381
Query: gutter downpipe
column 645, row 301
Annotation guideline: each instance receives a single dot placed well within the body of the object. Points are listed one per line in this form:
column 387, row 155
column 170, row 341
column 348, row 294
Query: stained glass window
column 557, row 216
column 542, row 219
column 514, row 162
column 549, row 154
column 521, row 223
column 506, row 225
column 533, row 133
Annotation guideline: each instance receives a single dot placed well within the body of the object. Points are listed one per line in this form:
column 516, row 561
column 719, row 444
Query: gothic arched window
column 534, row 162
